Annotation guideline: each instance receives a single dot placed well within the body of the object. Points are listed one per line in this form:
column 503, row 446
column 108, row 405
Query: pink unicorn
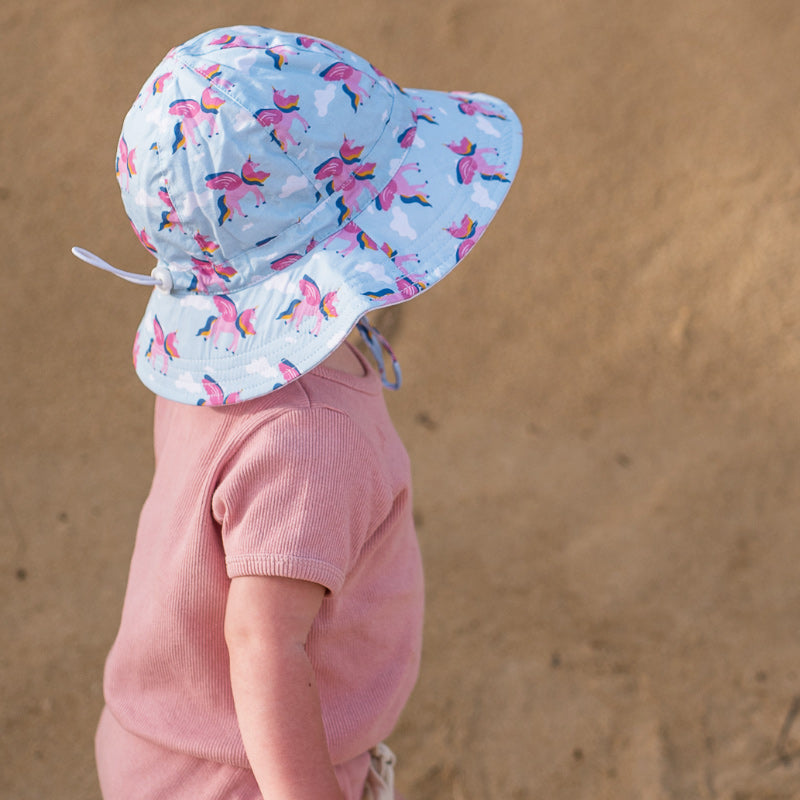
column 281, row 117
column 206, row 275
column 472, row 162
column 470, row 107
column 312, row 305
column 399, row 186
column 212, row 73
column 216, row 397
column 141, row 235
column 125, row 161
column 237, row 187
column 290, row 258
column 348, row 179
column 426, row 114
column 169, row 218
column 468, row 231
column 192, row 113
column 229, row 321
column 396, row 258
column 407, row 284
column 350, row 78
column 288, row 370
column 163, row 347
column 228, row 40
column 208, row 246
column 354, row 237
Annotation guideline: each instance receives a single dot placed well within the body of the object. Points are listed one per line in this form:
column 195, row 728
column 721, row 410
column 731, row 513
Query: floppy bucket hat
column 286, row 188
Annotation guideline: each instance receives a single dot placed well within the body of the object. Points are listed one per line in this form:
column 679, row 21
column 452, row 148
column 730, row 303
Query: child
column 270, row 634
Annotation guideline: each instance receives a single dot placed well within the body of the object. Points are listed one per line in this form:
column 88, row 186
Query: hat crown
column 247, row 146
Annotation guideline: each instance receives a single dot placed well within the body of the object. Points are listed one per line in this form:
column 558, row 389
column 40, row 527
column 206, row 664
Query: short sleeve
column 299, row 497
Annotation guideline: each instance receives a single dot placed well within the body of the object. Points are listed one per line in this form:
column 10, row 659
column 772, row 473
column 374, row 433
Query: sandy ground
column 600, row 404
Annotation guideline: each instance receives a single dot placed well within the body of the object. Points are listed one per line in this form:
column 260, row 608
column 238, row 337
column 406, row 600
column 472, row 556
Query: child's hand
column 267, row 621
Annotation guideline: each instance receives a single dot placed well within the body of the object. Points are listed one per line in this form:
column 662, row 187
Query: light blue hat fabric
column 286, row 187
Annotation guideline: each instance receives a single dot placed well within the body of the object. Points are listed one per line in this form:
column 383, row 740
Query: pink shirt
column 310, row 482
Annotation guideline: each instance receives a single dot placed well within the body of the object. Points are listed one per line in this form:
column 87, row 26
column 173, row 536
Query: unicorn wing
column 225, row 306
column 310, row 290
column 213, row 390
column 333, row 166
column 158, row 332
column 223, row 180
column 466, row 170
column 184, row 108
column 269, row 116
column 337, row 72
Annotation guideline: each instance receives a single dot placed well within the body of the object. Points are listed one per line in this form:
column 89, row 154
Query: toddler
column 270, row 634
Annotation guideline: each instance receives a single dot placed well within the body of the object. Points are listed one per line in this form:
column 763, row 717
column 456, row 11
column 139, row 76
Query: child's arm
column 266, row 623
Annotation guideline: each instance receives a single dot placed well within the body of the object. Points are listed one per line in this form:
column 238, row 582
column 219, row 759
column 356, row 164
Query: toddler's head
column 286, row 187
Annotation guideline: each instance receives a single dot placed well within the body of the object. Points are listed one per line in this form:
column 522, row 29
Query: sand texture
column 601, row 403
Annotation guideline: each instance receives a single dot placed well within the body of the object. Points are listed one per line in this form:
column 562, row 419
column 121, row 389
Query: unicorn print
column 212, row 73
column 207, row 275
column 229, row 321
column 290, row 258
column 354, row 236
column 162, row 347
column 281, row 117
column 397, row 259
column 471, row 107
column 424, row 114
column 125, row 166
column 407, row 284
column 346, row 178
column 468, row 231
column 229, row 40
column 191, row 114
column 237, row 187
column 472, row 162
column 143, row 238
column 169, row 218
column 216, row 396
column 399, row 186
column 350, row 79
column 288, row 370
column 312, row 305
column 208, row 246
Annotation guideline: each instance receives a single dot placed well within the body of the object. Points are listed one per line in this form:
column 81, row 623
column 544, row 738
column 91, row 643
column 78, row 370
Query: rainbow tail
column 180, row 137
column 287, row 315
column 206, row 329
column 415, row 198
column 344, row 211
column 224, row 211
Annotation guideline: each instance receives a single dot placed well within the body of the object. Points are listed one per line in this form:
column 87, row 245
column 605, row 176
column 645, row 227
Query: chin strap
column 160, row 276
column 377, row 346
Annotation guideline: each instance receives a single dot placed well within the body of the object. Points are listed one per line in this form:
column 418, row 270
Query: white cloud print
column 480, row 196
column 486, row 126
column 294, row 183
column 401, row 225
column 186, row 383
column 262, row 366
column 323, row 98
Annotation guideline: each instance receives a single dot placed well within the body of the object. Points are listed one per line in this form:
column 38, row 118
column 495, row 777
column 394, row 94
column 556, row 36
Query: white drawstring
column 160, row 277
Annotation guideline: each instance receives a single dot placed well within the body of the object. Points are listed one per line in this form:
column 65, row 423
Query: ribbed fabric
column 310, row 482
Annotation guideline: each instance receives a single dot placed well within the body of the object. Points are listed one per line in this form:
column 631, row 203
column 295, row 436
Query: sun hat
column 286, row 188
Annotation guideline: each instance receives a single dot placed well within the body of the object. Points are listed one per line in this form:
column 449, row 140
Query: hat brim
column 456, row 174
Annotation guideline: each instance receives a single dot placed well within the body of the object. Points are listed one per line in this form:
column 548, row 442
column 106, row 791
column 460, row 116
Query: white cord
column 159, row 277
